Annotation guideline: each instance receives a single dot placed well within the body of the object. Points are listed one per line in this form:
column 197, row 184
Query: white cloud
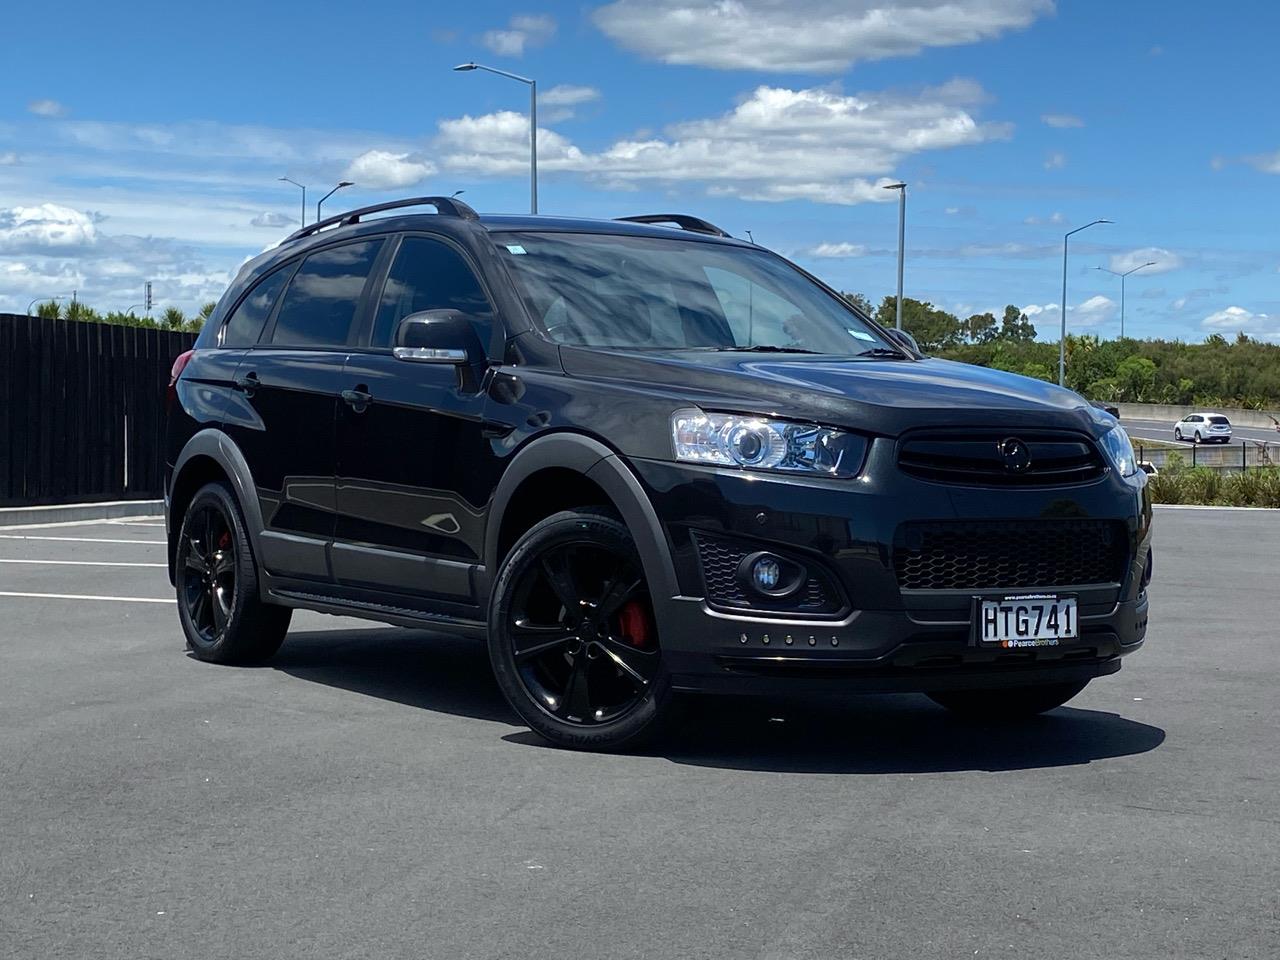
column 521, row 32
column 1093, row 312
column 1061, row 120
column 805, row 36
column 47, row 108
column 776, row 144
column 9, row 159
column 45, row 228
column 1055, row 160
column 568, row 95
column 382, row 169
column 838, row 250
column 1164, row 260
column 1053, row 218
column 1266, row 162
column 271, row 219
column 1237, row 319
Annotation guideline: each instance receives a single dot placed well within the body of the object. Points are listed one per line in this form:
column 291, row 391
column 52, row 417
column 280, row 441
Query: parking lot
column 368, row 794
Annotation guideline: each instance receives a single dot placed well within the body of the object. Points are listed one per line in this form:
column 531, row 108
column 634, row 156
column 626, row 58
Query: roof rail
column 445, row 206
column 681, row 220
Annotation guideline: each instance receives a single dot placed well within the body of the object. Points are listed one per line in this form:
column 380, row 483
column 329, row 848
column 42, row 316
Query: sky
column 143, row 141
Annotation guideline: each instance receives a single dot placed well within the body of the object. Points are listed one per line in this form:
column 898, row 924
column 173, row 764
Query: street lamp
column 320, row 202
column 1062, row 337
column 304, row 198
column 902, row 235
column 42, row 300
column 533, row 124
column 1149, row 263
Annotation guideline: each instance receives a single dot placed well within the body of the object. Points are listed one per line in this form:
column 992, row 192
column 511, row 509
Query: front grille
column 1009, row 554
column 975, row 459
column 719, row 560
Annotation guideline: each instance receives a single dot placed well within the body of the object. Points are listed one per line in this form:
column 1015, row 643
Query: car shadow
column 869, row 734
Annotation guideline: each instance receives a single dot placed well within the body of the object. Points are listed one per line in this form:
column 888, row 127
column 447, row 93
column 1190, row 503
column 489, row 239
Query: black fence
column 1237, row 456
column 82, row 410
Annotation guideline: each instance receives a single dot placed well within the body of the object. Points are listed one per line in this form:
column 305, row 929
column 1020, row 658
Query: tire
column 572, row 637
column 1008, row 703
column 1177, row 433
column 214, row 559
column 1196, row 438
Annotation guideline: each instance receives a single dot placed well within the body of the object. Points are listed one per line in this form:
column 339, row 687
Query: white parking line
column 87, row 563
column 78, row 596
column 14, row 536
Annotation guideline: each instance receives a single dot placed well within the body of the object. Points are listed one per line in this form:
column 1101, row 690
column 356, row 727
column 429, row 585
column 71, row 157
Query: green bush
column 1253, row 488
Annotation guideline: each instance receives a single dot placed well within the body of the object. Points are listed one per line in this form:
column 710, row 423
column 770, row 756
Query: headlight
column 1120, row 451
column 757, row 443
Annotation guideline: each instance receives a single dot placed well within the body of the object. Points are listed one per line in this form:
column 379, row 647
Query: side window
column 323, row 296
column 429, row 275
column 245, row 325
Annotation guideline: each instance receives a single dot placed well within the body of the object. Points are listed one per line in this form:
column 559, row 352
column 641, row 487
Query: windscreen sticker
column 515, row 248
column 861, row 335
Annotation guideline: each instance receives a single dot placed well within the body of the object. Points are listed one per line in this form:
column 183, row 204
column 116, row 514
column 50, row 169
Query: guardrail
column 1229, row 457
column 82, row 410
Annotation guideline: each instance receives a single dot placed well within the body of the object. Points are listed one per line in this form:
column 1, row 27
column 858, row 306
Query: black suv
column 636, row 460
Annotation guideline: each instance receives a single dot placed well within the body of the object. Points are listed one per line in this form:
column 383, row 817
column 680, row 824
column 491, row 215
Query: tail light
column 180, row 364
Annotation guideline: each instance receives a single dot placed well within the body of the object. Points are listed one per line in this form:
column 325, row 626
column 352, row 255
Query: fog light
column 765, row 574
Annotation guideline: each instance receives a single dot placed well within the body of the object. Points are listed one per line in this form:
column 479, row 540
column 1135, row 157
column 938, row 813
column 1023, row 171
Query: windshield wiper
column 758, row 348
column 882, row 352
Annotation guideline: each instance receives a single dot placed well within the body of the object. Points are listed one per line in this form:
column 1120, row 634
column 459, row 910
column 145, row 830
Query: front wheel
column 572, row 636
column 1197, row 437
column 1007, row 703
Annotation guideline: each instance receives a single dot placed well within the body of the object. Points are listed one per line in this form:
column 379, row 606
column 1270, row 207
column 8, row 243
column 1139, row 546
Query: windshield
column 652, row 293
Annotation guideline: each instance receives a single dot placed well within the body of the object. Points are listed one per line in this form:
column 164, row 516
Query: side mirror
column 438, row 336
column 904, row 339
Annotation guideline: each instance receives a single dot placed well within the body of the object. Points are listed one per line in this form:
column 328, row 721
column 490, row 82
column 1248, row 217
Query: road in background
column 1163, row 430
column 369, row 794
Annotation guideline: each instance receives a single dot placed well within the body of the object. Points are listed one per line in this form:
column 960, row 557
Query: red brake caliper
column 633, row 624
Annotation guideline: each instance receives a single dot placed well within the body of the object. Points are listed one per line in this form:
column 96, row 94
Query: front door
column 414, row 470
column 283, row 419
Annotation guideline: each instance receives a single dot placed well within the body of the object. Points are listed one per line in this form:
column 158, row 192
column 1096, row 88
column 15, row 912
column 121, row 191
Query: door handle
column 358, row 400
column 248, row 383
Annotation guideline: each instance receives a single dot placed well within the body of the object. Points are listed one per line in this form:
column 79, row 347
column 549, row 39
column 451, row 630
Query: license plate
column 1037, row 620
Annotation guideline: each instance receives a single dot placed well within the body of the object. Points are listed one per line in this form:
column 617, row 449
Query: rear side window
column 323, row 296
column 245, row 325
column 430, row 275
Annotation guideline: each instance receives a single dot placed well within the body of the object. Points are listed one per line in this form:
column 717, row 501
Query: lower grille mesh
column 1009, row 554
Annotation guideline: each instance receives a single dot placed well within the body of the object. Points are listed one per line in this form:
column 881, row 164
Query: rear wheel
column 572, row 635
column 1177, row 433
column 222, row 614
column 1008, row 703
column 1197, row 437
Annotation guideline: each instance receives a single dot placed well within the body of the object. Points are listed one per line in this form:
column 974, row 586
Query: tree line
column 170, row 318
column 1241, row 372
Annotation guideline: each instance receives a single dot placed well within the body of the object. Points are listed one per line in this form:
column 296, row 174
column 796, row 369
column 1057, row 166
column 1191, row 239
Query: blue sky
column 143, row 141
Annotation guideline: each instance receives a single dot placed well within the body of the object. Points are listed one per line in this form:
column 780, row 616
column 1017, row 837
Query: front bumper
column 883, row 638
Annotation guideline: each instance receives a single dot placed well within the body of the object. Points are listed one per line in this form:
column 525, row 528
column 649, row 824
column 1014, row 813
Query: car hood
column 880, row 396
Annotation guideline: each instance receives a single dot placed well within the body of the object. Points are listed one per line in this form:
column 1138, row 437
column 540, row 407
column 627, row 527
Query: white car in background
column 1203, row 428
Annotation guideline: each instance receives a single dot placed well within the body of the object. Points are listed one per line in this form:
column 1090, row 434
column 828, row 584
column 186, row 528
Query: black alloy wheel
column 219, row 605
column 573, row 638
column 208, row 558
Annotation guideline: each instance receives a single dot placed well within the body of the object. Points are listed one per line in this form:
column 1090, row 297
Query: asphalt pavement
column 1163, row 430
column 370, row 795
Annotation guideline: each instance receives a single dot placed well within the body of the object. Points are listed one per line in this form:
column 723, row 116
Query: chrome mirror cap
column 430, row 354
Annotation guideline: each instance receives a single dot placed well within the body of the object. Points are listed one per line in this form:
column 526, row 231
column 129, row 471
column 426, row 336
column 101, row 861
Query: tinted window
column 245, row 325
column 323, row 296
column 1220, row 419
column 651, row 293
column 429, row 275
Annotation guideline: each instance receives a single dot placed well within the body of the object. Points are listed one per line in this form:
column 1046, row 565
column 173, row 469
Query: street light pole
column 1062, row 336
column 304, row 198
column 1149, row 263
column 902, row 235
column 533, row 123
column 320, row 202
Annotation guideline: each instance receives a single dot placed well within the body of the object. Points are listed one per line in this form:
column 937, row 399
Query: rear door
column 288, row 387
column 414, row 470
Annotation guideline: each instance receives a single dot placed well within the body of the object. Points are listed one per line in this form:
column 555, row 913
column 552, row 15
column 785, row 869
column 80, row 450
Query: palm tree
column 173, row 318
column 50, row 310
